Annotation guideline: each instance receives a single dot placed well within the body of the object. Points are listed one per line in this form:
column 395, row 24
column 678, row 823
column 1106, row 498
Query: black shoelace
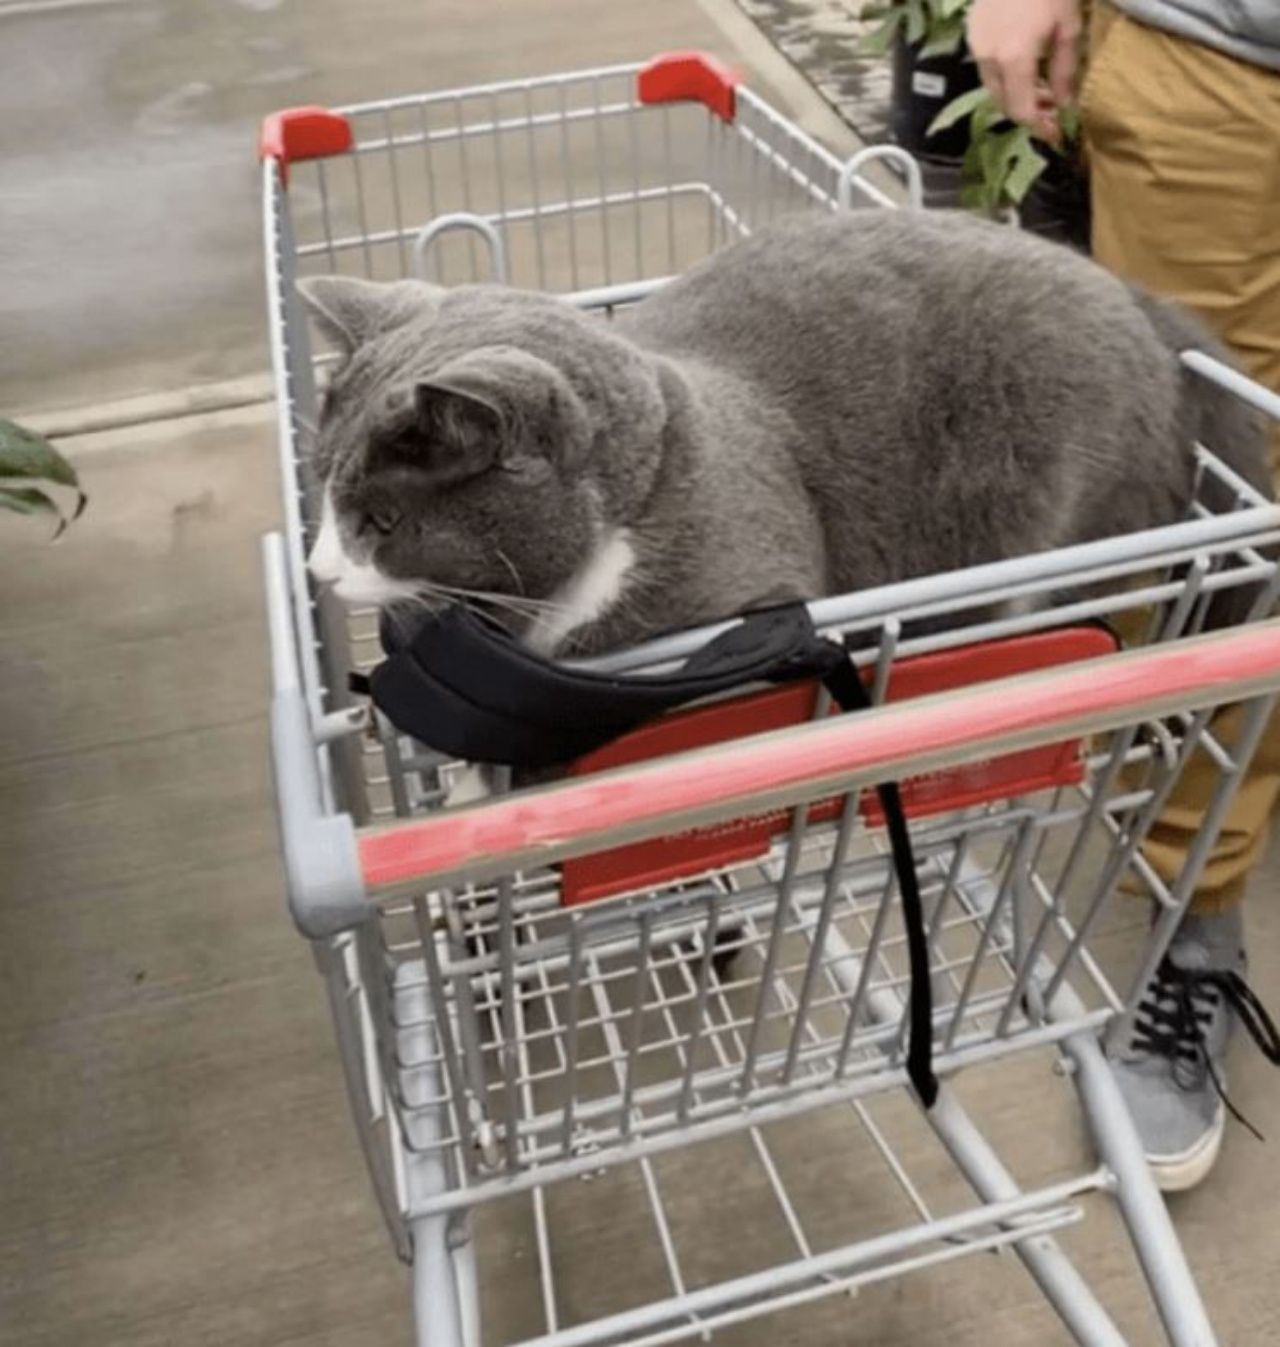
column 1180, row 1002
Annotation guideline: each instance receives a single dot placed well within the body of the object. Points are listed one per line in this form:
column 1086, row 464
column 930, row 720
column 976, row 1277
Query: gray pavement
column 129, row 194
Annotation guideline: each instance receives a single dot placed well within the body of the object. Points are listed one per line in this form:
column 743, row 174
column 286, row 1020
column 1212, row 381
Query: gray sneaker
column 1172, row 1072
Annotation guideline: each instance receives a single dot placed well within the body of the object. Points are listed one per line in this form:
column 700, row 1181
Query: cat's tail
column 1219, row 421
column 1210, row 415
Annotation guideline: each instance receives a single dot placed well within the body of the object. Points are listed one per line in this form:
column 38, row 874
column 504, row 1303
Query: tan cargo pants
column 1184, row 154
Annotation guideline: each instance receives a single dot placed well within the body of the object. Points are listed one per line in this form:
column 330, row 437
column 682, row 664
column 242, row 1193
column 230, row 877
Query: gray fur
column 835, row 403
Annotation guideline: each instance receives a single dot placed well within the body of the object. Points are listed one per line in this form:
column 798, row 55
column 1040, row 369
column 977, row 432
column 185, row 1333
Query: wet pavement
column 129, row 211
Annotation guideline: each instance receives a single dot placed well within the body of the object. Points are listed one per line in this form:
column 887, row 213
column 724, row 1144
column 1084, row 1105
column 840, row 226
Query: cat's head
column 478, row 441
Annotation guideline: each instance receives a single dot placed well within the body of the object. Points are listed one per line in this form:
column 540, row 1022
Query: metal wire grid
column 806, row 1267
column 585, row 187
column 558, row 1035
column 436, row 1163
column 923, row 1233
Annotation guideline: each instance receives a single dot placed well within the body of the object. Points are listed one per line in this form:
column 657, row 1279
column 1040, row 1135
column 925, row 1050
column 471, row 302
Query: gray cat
column 834, row 403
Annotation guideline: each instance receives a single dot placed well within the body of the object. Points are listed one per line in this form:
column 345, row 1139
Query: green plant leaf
column 23, row 453
column 974, row 190
column 948, row 9
column 957, row 110
column 917, row 21
column 973, row 195
column 28, row 457
column 986, row 116
column 999, row 168
column 878, row 41
column 27, row 500
column 1002, row 147
column 946, row 39
column 988, row 164
column 993, row 158
column 30, row 500
column 1069, row 122
column 1028, row 164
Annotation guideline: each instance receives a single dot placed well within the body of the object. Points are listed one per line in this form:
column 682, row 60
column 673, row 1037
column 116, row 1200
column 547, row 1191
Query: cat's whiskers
column 493, row 596
column 510, row 565
column 533, row 609
column 518, row 605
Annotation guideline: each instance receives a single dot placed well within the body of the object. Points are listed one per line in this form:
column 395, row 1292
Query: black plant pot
column 1058, row 204
column 922, row 87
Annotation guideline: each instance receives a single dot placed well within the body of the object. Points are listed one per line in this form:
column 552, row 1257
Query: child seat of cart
column 461, row 684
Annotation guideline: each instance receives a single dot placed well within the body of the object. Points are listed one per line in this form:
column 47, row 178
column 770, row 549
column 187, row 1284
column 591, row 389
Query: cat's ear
column 350, row 311
column 467, row 432
column 499, row 404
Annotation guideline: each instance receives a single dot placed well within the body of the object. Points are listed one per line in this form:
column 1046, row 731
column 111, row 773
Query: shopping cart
column 693, row 947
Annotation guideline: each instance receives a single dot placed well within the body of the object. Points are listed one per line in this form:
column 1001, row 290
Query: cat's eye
column 383, row 520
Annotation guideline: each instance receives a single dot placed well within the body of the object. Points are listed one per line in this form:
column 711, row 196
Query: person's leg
column 1184, row 154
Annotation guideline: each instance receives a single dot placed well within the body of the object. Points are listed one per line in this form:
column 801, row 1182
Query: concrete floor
column 128, row 129
column 176, row 1160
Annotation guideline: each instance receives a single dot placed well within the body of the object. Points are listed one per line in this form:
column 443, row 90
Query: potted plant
column 931, row 68
column 940, row 113
column 29, row 467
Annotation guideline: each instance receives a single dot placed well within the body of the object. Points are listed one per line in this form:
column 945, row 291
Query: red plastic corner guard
column 690, row 76
column 303, row 133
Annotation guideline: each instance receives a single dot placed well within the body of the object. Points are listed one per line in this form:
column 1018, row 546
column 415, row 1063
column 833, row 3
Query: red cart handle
column 303, row 133
column 788, row 767
column 690, row 77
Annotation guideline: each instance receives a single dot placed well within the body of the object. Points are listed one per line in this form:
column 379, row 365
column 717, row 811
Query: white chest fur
column 586, row 597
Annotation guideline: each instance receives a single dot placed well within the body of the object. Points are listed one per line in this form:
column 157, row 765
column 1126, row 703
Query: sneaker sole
column 1177, row 1173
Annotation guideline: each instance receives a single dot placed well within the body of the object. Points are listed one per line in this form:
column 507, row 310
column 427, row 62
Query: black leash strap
column 850, row 694
column 461, row 684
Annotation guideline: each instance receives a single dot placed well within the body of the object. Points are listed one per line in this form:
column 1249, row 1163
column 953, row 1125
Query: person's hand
column 1011, row 41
